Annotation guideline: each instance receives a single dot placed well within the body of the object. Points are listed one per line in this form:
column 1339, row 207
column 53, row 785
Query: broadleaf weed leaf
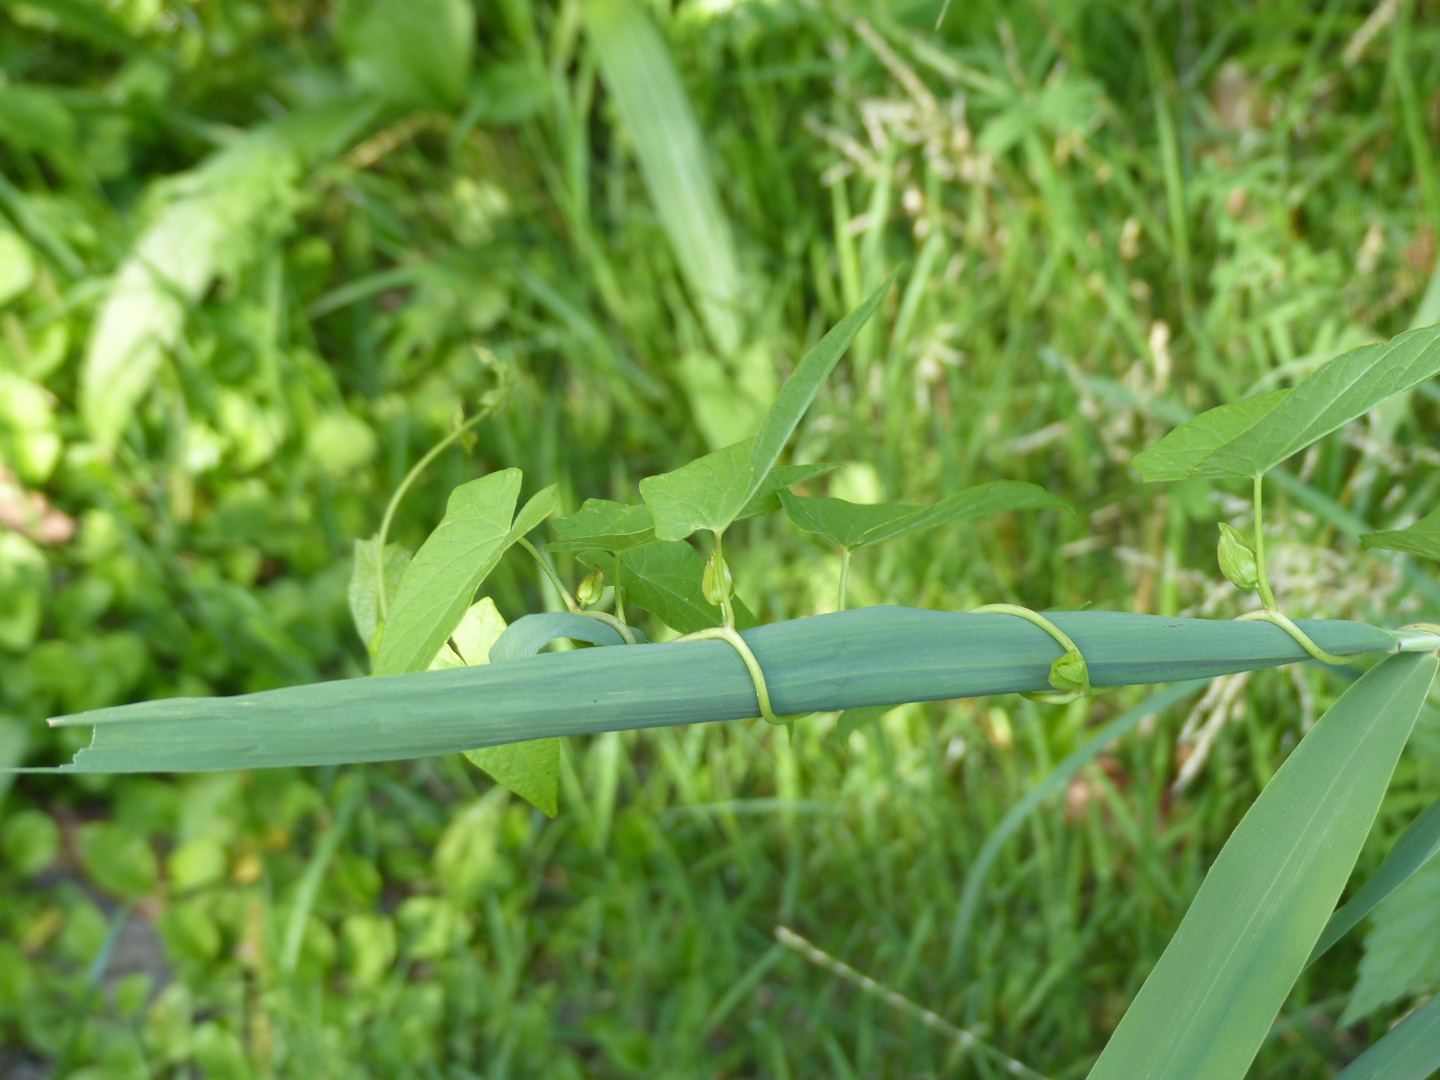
column 449, row 567
column 804, row 382
column 1422, row 538
column 539, row 506
column 708, row 493
column 857, row 525
column 1250, row 437
column 766, row 498
column 529, row 769
column 364, row 591
column 603, row 525
column 665, row 580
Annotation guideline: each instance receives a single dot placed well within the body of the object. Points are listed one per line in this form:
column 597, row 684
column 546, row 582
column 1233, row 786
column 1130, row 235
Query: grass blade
column 641, row 78
column 1417, row 846
column 1409, row 1051
column 1205, row 1009
column 1054, row 781
column 870, row 656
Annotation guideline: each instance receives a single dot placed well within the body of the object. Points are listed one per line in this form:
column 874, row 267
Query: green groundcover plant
column 450, row 675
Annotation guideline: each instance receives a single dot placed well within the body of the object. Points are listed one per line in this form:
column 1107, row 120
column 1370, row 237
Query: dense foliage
column 256, row 261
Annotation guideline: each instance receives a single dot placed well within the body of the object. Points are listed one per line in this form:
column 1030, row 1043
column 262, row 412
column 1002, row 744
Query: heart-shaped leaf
column 364, row 594
column 1250, row 437
column 441, row 581
column 604, row 525
column 664, row 579
column 766, row 499
column 856, row 525
column 1422, row 538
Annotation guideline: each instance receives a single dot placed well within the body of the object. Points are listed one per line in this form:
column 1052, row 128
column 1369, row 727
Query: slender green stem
column 727, row 610
column 619, row 592
column 1262, row 582
column 844, row 577
column 1064, row 639
column 1280, row 620
column 394, row 504
column 762, row 692
column 610, row 620
column 554, row 577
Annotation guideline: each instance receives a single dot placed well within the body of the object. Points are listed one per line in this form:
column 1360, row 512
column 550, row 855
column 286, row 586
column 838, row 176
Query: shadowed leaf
column 1422, row 538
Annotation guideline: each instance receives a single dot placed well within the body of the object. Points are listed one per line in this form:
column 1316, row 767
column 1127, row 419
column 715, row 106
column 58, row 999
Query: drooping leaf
column 449, row 567
column 1402, row 949
column 604, row 525
column 364, row 593
column 1248, row 438
column 651, row 102
column 1417, row 845
column 857, row 525
column 664, row 579
column 1203, row 446
column 1422, row 538
column 536, row 509
column 708, row 493
column 529, row 769
column 1206, row 1007
column 766, row 498
column 802, row 386
column 825, row 663
column 854, row 719
column 413, row 53
column 1408, row 1051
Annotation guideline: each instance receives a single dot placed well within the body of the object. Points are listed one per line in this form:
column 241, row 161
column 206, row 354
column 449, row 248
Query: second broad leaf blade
column 1208, row 1004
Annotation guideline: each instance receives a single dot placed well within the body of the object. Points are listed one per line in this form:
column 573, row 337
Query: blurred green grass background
column 256, row 258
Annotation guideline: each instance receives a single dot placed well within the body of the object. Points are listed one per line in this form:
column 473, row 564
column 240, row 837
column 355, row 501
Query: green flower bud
column 1237, row 559
column 717, row 587
column 1069, row 673
column 591, row 588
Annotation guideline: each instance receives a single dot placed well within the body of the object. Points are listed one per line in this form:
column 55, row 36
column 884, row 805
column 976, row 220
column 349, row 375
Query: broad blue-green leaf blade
column 804, row 382
column 364, row 591
column 604, row 525
column 766, row 497
column 1205, row 1009
column 536, row 509
column 1417, row 846
column 825, row 663
column 1409, row 1051
column 1422, row 538
column 1202, row 446
column 446, row 571
column 664, row 579
column 708, row 493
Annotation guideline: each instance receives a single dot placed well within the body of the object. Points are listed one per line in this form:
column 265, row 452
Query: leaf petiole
column 570, row 603
column 844, row 577
column 1263, row 583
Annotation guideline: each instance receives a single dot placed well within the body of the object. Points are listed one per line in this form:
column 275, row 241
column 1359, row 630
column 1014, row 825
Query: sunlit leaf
column 364, row 592
column 1422, row 538
column 529, row 769
column 608, row 526
column 449, row 567
column 536, row 509
column 1209, row 1002
column 857, row 525
column 478, row 631
column 1250, row 437
column 664, row 579
column 1408, row 1051
column 802, row 386
column 708, row 493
